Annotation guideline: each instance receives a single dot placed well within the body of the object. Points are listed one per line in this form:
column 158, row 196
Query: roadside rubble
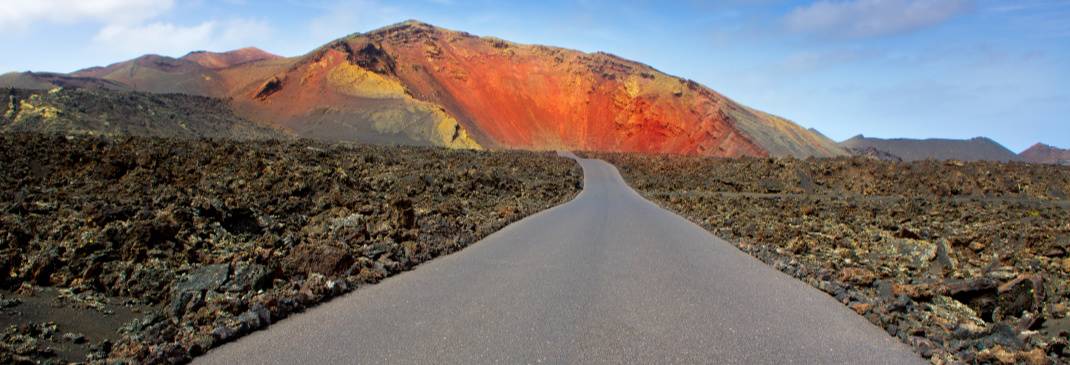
column 965, row 262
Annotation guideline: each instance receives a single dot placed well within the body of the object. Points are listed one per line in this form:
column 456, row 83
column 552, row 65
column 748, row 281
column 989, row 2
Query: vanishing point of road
column 606, row 278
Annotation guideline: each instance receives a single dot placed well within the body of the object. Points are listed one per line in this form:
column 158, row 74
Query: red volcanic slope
column 1042, row 153
column 538, row 97
column 507, row 95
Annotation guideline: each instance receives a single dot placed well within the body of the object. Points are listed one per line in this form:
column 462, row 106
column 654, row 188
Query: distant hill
column 111, row 112
column 221, row 60
column 873, row 153
column 1042, row 153
column 159, row 74
column 974, row 149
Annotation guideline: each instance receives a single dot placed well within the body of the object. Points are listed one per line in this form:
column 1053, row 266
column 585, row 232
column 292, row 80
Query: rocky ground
column 155, row 250
column 966, row 262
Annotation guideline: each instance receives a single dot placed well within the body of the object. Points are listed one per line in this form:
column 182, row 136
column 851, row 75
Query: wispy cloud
column 133, row 27
column 870, row 18
column 22, row 14
column 174, row 40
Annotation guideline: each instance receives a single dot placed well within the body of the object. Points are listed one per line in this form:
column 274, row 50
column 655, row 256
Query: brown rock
column 997, row 355
column 861, row 308
column 857, row 276
column 26, row 290
column 955, row 287
column 402, row 214
column 1060, row 309
column 1033, row 357
column 943, row 259
column 1066, row 264
column 318, row 257
column 1023, row 294
column 907, row 233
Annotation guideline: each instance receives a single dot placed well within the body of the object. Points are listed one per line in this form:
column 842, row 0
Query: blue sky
column 883, row 68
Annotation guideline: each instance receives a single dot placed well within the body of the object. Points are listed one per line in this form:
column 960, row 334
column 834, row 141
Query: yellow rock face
column 451, row 134
column 632, row 86
column 356, row 81
column 443, row 129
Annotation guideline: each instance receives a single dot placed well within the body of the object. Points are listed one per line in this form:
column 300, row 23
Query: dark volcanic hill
column 108, row 112
column 414, row 83
column 49, row 80
column 1042, row 153
column 874, row 154
column 974, row 149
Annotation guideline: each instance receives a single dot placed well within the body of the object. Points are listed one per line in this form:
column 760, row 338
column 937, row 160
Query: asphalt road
column 606, row 278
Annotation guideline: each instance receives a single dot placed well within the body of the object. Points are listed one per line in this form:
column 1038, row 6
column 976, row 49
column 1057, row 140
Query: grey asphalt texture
column 606, row 278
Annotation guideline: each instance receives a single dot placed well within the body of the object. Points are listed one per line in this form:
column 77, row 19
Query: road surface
column 606, row 278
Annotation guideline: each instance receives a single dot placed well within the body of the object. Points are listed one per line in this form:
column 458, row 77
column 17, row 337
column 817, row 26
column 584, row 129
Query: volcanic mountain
column 1042, row 153
column 414, row 83
column 974, row 149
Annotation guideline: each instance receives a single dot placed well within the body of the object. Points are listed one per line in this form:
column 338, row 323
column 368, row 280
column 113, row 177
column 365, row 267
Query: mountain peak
column 1040, row 145
column 1045, row 153
column 220, row 60
column 408, row 25
column 415, row 22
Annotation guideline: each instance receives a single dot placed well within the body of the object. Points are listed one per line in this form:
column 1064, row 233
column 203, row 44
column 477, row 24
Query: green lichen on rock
column 36, row 108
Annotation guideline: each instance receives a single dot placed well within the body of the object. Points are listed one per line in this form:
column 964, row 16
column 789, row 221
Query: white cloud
column 133, row 27
column 20, row 14
column 867, row 18
column 176, row 40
